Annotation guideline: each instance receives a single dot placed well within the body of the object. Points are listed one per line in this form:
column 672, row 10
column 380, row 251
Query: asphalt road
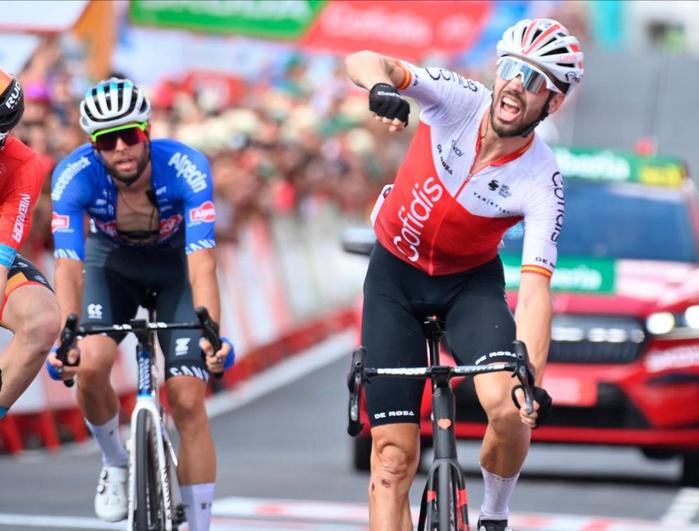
column 284, row 463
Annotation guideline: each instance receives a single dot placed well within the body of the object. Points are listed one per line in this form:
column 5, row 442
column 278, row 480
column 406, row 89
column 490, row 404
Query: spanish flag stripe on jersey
column 537, row 269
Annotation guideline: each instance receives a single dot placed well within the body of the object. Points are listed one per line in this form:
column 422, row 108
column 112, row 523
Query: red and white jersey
column 443, row 219
column 22, row 174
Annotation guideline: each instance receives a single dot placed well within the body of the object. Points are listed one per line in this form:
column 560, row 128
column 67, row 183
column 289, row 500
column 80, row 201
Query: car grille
column 595, row 339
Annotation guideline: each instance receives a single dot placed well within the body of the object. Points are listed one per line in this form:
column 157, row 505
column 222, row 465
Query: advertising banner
column 280, row 19
column 406, row 29
column 600, row 164
column 409, row 30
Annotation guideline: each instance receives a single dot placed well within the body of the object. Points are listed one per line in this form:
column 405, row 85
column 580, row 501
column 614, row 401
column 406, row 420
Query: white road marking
column 236, row 513
column 684, row 507
column 56, row 522
column 283, row 373
column 357, row 516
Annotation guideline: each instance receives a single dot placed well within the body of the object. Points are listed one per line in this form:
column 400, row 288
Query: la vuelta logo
column 414, row 217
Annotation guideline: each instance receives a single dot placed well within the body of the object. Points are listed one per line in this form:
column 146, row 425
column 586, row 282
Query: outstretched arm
column 381, row 76
column 367, row 68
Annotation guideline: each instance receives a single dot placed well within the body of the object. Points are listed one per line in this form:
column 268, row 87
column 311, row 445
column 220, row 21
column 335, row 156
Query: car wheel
column 690, row 469
column 361, row 453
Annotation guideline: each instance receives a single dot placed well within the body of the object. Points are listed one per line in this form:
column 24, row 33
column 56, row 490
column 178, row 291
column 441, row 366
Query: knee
column 40, row 328
column 503, row 415
column 394, row 460
column 93, row 371
column 187, row 404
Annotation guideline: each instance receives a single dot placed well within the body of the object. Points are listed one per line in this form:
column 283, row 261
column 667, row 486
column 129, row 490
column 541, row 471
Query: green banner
column 597, row 164
column 285, row 19
column 587, row 275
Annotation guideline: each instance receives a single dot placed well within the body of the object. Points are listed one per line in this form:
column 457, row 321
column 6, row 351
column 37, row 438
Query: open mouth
column 510, row 108
column 125, row 165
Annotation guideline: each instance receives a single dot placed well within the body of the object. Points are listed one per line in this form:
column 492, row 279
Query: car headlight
column 691, row 317
column 660, row 323
column 685, row 322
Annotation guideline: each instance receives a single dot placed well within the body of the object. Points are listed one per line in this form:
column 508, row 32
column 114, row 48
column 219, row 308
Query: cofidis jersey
column 442, row 218
column 181, row 180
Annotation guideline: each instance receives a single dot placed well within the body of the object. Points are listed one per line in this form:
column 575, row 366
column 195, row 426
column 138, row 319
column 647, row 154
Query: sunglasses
column 533, row 79
column 130, row 134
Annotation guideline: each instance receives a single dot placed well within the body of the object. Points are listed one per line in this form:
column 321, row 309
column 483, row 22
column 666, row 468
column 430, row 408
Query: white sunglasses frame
column 550, row 85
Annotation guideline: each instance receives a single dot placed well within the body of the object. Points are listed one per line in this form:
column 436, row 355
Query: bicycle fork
column 447, row 504
column 147, row 399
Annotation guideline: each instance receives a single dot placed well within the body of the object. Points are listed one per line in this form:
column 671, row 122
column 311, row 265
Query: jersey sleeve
column 16, row 210
column 69, row 197
column 444, row 96
column 543, row 220
column 198, row 197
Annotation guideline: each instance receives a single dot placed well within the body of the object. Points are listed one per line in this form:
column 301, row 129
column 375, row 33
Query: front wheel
column 150, row 514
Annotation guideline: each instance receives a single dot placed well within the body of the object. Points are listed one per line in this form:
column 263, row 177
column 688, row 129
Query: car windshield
column 621, row 220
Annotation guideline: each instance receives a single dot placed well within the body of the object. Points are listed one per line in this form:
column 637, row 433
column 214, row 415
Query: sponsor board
column 604, row 164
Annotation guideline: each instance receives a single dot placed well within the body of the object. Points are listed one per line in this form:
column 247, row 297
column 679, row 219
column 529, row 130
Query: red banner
column 408, row 30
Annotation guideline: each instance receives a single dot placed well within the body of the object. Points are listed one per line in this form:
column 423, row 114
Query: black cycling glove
column 541, row 397
column 386, row 101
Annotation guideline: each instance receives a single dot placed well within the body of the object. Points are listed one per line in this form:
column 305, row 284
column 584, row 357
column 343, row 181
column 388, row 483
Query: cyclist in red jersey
column 29, row 307
column 474, row 169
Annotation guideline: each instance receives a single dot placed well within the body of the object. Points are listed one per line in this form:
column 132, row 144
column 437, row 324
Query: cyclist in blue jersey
column 151, row 211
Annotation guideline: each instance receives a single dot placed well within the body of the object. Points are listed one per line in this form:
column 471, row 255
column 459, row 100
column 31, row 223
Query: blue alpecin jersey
column 181, row 180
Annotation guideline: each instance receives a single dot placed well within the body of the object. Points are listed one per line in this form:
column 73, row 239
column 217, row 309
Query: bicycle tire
column 150, row 513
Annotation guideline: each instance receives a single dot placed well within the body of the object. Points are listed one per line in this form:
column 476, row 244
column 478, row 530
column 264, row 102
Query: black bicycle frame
column 445, row 465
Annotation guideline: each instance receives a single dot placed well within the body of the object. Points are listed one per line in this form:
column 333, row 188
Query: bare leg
column 197, row 455
column 506, row 440
column 395, row 455
column 97, row 398
column 32, row 313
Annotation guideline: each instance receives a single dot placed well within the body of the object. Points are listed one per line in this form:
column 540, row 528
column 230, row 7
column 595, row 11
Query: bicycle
column 446, row 507
column 152, row 457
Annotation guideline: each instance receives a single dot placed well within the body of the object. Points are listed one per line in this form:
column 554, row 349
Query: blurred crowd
column 281, row 146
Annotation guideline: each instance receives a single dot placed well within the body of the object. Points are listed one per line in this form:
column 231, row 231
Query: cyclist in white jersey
column 475, row 168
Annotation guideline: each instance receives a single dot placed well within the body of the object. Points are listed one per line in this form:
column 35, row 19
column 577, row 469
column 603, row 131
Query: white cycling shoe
column 111, row 502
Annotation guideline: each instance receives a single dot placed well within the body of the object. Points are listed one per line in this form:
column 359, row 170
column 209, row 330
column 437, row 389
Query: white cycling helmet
column 547, row 44
column 113, row 102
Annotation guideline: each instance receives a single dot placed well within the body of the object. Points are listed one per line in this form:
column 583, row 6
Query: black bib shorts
column 398, row 297
column 117, row 278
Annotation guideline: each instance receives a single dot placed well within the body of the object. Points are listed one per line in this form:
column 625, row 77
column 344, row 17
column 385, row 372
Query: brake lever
column 210, row 330
column 525, row 375
column 68, row 336
column 355, row 381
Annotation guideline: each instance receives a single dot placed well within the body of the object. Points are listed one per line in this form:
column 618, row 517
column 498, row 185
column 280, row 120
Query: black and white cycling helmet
column 11, row 101
column 547, row 44
column 113, row 102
